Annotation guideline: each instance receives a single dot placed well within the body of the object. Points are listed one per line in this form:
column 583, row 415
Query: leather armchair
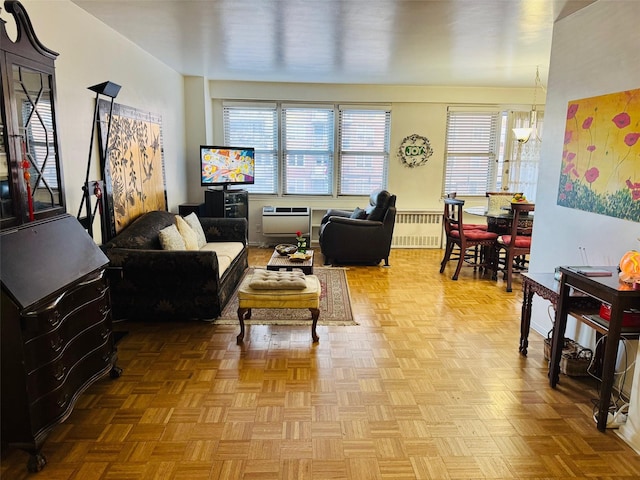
column 359, row 236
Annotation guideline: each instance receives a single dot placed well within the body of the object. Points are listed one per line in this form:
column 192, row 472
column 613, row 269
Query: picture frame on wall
column 601, row 155
column 133, row 166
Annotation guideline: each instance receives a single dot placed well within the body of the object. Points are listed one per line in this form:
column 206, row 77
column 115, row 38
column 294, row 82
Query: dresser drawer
column 50, row 376
column 47, row 316
column 48, row 347
column 56, row 405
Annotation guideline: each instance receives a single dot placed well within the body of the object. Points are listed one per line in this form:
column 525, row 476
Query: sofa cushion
column 378, row 205
column 194, row 222
column 359, row 214
column 187, row 233
column 225, row 251
column 170, row 238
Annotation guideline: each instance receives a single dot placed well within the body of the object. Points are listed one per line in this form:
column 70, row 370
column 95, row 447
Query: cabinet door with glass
column 31, row 186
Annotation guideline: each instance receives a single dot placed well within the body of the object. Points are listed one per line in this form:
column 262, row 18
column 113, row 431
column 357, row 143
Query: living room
column 582, row 65
column 189, row 120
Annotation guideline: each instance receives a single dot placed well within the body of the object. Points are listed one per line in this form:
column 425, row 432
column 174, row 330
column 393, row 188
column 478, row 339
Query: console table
column 546, row 286
column 609, row 290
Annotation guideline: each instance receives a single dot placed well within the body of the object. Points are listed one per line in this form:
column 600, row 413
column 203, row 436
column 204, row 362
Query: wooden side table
column 546, row 286
column 542, row 284
column 609, row 290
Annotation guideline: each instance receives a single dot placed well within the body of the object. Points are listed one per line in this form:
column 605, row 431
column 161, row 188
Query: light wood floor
column 429, row 385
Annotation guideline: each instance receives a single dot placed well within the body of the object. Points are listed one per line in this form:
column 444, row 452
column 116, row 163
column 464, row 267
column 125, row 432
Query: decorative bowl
column 286, row 249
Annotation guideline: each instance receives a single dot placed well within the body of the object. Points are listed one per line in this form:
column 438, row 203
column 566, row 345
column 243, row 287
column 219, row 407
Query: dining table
column 499, row 221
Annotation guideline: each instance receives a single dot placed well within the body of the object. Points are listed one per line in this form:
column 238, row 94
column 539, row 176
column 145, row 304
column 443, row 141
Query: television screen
column 226, row 165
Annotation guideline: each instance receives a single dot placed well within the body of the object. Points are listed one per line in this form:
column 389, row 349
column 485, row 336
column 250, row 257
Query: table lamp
column 630, row 268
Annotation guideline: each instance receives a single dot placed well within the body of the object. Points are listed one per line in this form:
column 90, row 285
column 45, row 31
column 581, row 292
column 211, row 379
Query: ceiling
column 487, row 43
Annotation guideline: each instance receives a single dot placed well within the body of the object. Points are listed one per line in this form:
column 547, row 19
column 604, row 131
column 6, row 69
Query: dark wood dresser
column 56, row 328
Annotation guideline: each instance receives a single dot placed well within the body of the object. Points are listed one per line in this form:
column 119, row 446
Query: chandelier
column 523, row 134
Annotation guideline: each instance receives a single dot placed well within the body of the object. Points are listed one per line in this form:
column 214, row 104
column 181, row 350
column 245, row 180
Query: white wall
column 594, row 52
column 91, row 53
column 420, row 110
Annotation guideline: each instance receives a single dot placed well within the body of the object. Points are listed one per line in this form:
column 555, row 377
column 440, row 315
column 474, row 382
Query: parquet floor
column 429, row 385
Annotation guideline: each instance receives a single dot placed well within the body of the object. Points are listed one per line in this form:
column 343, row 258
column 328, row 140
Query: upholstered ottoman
column 267, row 289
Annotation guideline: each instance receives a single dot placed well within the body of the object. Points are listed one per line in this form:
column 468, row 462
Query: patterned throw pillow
column 170, row 238
column 194, row 222
column 188, row 235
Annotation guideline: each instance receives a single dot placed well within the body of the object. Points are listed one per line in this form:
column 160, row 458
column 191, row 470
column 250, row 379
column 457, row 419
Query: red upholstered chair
column 469, row 226
column 512, row 250
column 468, row 241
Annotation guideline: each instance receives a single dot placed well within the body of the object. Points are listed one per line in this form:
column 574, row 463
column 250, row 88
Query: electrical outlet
column 258, row 228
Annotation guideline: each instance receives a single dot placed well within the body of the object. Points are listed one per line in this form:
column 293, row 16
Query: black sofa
column 359, row 236
column 150, row 283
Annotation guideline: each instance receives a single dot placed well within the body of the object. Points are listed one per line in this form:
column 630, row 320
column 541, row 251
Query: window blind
column 255, row 126
column 308, row 150
column 364, row 150
column 472, row 145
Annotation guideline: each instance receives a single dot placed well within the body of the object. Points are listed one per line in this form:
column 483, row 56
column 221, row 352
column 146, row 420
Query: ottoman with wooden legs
column 276, row 289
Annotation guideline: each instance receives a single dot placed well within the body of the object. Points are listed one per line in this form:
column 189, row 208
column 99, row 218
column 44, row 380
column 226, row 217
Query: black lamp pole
column 108, row 89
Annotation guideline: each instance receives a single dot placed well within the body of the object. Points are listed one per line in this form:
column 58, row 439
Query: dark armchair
column 359, row 236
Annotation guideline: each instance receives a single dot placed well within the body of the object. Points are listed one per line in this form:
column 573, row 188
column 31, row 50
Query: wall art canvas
column 134, row 167
column 601, row 156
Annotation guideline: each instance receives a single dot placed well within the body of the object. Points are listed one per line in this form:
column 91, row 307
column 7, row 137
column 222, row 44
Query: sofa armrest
column 354, row 222
column 225, row 229
column 333, row 212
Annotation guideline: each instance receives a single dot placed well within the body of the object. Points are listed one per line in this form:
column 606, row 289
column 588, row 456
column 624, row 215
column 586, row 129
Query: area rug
column 335, row 305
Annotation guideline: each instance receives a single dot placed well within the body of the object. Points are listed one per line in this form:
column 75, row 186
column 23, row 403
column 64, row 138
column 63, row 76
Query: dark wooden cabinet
column 227, row 203
column 31, row 181
column 55, row 330
column 187, row 208
column 55, row 325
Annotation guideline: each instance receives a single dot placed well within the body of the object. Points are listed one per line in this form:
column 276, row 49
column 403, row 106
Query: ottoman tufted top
column 276, row 280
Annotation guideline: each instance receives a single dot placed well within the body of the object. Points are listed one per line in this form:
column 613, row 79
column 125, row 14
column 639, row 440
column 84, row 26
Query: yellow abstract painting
column 601, row 156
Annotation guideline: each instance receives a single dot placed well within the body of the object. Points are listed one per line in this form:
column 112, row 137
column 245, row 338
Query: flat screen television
column 225, row 166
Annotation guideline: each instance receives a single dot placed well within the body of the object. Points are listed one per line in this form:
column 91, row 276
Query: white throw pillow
column 170, row 238
column 188, row 235
column 194, row 222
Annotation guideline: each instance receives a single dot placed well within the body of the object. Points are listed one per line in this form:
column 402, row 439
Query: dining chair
column 512, row 249
column 476, row 247
column 498, row 204
column 469, row 226
column 496, row 201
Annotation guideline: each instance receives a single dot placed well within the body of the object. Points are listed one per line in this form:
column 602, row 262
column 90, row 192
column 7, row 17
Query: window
column 522, row 174
column 472, row 152
column 364, row 150
column 255, row 126
column 307, row 148
column 302, row 159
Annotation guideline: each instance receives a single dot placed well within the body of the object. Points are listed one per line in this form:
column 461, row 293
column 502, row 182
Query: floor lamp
column 96, row 187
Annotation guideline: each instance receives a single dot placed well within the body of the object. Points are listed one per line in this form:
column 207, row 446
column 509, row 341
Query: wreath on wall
column 414, row 151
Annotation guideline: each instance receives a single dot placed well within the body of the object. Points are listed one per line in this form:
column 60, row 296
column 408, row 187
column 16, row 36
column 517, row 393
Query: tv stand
column 226, row 203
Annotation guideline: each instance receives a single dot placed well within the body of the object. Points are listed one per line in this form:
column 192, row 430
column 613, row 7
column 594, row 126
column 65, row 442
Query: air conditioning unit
column 285, row 221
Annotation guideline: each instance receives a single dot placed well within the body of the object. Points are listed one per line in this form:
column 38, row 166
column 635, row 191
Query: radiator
column 417, row 229
column 285, row 221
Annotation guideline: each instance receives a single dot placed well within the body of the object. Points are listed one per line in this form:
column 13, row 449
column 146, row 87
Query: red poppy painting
column 601, row 156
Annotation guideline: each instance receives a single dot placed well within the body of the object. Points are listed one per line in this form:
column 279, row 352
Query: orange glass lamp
column 630, row 268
